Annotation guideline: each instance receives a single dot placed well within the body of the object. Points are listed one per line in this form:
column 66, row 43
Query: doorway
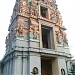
column 46, row 67
column 47, row 37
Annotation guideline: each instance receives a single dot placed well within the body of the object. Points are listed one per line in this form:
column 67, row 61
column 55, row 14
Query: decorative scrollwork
column 35, row 70
column 62, row 71
column 61, row 37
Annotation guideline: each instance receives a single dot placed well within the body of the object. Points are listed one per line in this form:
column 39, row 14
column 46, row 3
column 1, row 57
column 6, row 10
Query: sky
column 66, row 8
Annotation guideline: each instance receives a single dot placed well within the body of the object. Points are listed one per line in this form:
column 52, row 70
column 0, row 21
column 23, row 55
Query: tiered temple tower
column 36, row 43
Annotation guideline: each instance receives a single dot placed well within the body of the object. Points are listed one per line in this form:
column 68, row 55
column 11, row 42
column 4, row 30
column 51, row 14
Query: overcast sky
column 66, row 8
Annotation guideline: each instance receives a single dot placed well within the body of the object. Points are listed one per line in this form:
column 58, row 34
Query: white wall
column 35, row 61
column 62, row 64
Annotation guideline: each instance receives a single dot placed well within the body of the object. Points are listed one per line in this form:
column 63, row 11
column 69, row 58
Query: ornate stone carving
column 7, row 40
column 34, row 8
column 59, row 20
column 65, row 41
column 23, row 7
column 35, row 71
column 56, row 33
column 59, row 36
column 53, row 16
column 52, row 4
column 34, row 28
column 19, row 30
column 62, row 71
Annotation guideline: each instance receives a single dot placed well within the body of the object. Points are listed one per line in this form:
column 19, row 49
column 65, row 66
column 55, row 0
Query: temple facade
column 37, row 42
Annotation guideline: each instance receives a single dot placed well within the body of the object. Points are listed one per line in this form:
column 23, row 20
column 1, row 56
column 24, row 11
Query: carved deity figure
column 53, row 16
column 19, row 30
column 65, row 41
column 23, row 7
column 34, row 8
column 59, row 19
column 59, row 36
column 20, row 27
column 34, row 29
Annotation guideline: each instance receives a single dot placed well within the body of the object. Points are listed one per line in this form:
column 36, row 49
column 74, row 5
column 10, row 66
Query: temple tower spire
column 36, row 43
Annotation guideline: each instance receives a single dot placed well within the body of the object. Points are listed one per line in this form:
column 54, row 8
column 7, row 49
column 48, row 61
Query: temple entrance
column 46, row 67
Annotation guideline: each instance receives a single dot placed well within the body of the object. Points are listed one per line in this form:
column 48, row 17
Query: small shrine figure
column 34, row 29
column 23, row 7
column 19, row 30
column 59, row 36
column 53, row 16
column 59, row 20
column 56, row 33
column 60, row 39
column 65, row 41
column 36, row 32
